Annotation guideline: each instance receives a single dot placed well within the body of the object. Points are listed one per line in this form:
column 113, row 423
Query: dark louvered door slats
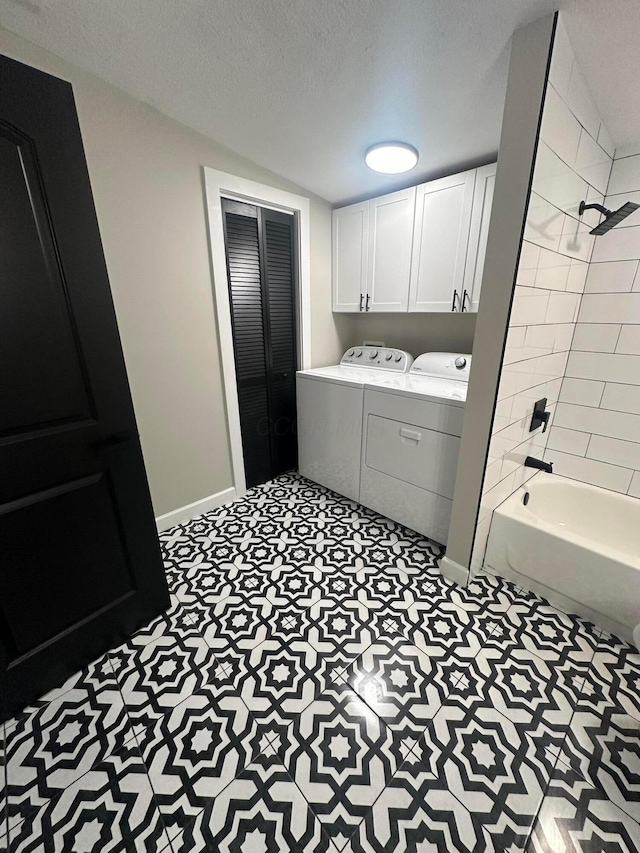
column 260, row 261
column 279, row 279
column 243, row 259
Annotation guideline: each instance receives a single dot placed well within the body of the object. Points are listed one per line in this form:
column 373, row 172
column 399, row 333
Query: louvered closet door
column 279, row 277
column 260, row 261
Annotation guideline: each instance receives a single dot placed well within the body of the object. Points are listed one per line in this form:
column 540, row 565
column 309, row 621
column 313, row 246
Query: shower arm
column 584, row 206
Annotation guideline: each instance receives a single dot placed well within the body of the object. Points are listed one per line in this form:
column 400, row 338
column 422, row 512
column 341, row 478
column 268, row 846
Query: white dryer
column 329, row 403
column 411, row 437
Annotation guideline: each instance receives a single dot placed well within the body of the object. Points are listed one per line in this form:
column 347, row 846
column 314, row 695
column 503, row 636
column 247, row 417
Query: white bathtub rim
column 513, row 506
column 563, row 602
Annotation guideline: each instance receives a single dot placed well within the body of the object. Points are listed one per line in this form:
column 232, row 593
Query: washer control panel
column 384, row 358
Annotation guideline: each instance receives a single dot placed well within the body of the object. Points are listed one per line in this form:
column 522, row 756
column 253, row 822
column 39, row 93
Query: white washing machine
column 411, row 437
column 329, row 403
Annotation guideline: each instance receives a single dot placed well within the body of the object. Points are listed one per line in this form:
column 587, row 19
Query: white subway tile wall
column 626, row 175
column 596, row 432
column 584, row 392
column 573, row 163
column 611, row 277
column 596, row 337
column 590, row 471
column 621, row 398
column 621, row 243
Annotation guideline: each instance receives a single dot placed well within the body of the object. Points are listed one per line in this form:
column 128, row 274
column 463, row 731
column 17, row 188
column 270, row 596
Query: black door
column 261, row 264
column 80, row 562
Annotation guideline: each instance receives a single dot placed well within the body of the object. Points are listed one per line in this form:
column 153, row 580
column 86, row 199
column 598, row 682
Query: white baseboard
column 454, row 571
column 186, row 513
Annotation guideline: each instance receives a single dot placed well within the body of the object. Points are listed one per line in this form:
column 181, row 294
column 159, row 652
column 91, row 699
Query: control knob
column 359, row 354
column 350, row 353
column 373, row 353
column 460, row 363
column 388, row 356
column 398, row 358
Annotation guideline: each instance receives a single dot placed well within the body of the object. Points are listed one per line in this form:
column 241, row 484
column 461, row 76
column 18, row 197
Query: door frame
column 219, row 185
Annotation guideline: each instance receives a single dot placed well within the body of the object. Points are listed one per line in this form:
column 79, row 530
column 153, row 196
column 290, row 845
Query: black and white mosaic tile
column 398, row 681
column 416, row 812
column 261, row 811
column 317, row 686
column 48, row 750
column 110, row 808
column 341, row 755
column 603, row 745
column 575, row 816
column 490, row 765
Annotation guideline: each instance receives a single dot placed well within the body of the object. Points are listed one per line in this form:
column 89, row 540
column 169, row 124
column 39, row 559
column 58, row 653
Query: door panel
column 281, row 310
column 390, row 241
column 260, row 263
column 249, row 335
column 349, row 249
column 98, row 543
column 47, row 386
column 81, row 565
column 443, row 217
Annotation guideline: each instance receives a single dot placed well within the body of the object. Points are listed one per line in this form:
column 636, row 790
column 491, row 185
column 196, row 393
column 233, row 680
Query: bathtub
column 575, row 544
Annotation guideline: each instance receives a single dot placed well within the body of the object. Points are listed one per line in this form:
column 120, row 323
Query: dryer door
column 422, row 457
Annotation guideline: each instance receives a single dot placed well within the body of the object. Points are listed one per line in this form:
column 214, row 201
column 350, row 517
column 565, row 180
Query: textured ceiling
column 303, row 87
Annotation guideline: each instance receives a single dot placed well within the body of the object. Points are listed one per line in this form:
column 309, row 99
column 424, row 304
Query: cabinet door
column 441, row 233
column 390, row 241
column 480, row 216
column 350, row 236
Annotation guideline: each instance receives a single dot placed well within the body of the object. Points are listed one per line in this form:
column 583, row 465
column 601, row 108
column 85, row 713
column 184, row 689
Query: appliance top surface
column 344, row 373
column 381, row 358
column 428, row 388
column 443, row 365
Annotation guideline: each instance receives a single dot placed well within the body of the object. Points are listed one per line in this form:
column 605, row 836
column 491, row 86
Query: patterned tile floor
column 318, row 686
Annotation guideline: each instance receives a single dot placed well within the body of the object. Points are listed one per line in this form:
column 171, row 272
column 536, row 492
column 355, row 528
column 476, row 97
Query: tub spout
column 530, row 462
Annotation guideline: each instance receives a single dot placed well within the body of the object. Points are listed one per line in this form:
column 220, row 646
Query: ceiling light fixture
column 391, row 158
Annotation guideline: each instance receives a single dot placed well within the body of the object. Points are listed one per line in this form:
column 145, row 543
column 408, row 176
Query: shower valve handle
column 540, row 416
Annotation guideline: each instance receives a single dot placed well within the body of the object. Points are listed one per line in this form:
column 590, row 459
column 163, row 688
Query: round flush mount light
column 391, row 158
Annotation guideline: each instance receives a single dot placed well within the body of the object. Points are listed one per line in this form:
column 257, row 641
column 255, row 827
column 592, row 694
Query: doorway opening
column 221, row 186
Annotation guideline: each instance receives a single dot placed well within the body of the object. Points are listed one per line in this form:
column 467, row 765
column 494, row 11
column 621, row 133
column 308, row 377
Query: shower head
column 612, row 217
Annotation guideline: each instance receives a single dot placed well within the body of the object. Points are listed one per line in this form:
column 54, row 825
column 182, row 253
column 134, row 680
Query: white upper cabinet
column 420, row 249
column 350, row 250
column 482, row 201
column 440, row 236
column 390, row 240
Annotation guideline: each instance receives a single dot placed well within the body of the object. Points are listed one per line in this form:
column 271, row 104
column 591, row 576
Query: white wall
column 416, row 333
column 571, row 165
column 146, row 174
column 526, row 84
column 596, row 433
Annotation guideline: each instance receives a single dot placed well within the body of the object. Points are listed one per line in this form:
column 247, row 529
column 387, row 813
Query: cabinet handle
column 455, row 296
column 465, row 296
column 368, row 298
column 361, row 298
